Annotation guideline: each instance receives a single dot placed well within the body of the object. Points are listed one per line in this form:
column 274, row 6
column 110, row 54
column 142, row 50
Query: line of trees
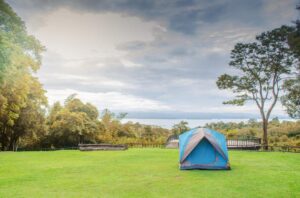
column 76, row 122
column 285, row 133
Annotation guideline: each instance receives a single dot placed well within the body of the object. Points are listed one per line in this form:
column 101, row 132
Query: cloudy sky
column 147, row 55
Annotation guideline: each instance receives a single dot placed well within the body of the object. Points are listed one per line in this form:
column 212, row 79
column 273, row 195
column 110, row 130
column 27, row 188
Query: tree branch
column 275, row 92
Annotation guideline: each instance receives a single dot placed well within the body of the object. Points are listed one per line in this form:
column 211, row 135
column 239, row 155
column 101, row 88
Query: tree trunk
column 2, row 144
column 15, row 144
column 80, row 139
column 3, row 139
column 11, row 145
column 265, row 134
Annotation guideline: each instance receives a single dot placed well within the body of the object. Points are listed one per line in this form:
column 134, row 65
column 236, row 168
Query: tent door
column 203, row 153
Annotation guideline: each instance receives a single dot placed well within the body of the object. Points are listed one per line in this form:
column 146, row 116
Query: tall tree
column 20, row 56
column 261, row 67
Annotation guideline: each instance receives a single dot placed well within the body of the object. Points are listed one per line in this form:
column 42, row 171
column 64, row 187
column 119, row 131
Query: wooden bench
column 102, row 147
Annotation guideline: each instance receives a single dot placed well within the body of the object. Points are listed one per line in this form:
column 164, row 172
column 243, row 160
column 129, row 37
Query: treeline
column 76, row 122
column 285, row 133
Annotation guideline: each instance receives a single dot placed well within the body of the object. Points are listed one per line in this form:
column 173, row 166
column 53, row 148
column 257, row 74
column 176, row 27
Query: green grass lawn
column 145, row 173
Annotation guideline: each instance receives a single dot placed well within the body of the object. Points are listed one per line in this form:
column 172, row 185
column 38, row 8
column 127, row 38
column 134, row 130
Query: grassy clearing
column 145, row 173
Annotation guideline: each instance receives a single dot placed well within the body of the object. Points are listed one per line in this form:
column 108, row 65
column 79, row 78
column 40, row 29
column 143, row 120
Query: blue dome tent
column 203, row 148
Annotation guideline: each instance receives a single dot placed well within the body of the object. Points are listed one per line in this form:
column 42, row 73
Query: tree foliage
column 285, row 133
column 291, row 99
column 181, row 127
column 73, row 123
column 114, row 131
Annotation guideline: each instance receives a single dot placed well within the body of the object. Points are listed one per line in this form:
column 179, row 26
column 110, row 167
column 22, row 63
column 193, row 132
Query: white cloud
column 110, row 100
column 76, row 35
column 130, row 64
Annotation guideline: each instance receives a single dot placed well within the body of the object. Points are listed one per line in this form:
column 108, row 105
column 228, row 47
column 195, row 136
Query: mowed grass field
column 145, row 173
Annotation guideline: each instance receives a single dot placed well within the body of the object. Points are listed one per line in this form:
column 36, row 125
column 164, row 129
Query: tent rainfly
column 203, row 148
